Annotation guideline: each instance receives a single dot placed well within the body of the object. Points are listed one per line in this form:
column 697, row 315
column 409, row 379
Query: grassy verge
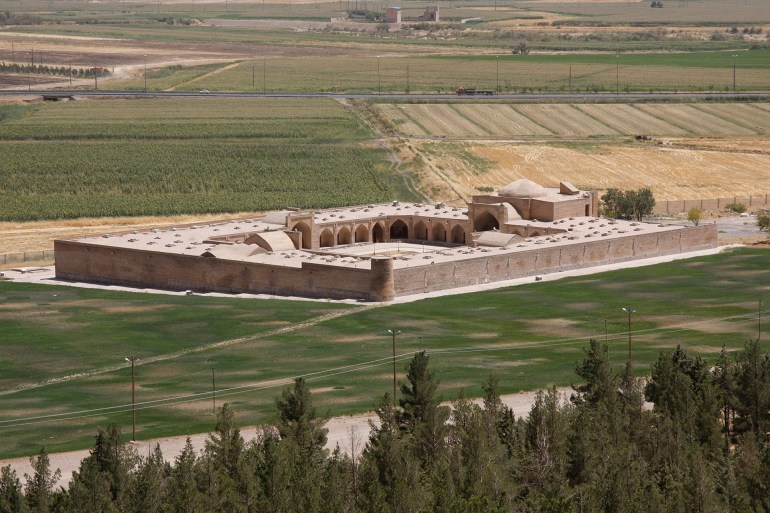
column 530, row 336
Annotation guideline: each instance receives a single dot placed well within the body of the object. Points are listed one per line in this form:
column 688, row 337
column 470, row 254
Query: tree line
column 702, row 447
column 53, row 70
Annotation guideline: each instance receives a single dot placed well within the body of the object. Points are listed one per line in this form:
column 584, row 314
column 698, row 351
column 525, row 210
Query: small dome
column 522, row 188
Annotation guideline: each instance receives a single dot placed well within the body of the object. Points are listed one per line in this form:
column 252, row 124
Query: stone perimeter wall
column 547, row 260
column 78, row 261
column 130, row 267
column 679, row 206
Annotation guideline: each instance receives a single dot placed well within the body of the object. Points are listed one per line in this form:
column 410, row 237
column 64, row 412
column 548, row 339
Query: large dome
column 522, row 188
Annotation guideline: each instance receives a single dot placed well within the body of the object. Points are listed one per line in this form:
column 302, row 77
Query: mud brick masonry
column 378, row 252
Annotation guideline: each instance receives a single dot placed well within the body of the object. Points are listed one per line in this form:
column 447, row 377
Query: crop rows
column 54, row 167
column 509, row 73
column 577, row 120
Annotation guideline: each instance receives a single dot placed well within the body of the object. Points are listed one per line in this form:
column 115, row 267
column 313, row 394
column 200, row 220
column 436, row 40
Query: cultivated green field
column 160, row 157
column 702, row 71
column 530, row 336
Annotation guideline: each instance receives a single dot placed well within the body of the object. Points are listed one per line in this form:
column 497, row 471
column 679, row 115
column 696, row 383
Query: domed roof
column 522, row 188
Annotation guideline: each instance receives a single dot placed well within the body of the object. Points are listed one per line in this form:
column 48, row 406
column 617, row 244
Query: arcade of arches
column 384, row 231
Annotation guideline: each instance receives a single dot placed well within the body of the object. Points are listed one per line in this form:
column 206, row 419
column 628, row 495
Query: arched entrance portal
column 439, row 233
column 420, row 231
column 378, row 234
column 399, row 230
column 344, row 237
column 485, row 221
column 362, row 233
column 458, row 235
column 327, row 238
column 304, row 229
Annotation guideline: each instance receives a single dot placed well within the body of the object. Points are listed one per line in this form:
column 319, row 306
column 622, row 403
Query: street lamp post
column 393, row 333
column 629, row 311
column 132, row 360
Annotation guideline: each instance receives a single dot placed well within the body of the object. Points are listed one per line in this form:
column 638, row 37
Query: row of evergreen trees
column 703, row 447
column 53, row 70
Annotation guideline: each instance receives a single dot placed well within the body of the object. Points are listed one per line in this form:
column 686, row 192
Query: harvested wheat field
column 676, row 170
column 578, row 120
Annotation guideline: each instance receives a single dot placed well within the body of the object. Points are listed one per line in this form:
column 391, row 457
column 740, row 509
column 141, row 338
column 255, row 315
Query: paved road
column 504, row 96
column 342, row 430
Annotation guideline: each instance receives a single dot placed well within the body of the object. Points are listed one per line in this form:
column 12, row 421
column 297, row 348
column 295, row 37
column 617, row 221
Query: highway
column 532, row 97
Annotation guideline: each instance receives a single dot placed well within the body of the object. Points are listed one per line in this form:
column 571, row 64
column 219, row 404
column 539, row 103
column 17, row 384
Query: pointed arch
column 307, row 236
column 362, row 233
column 327, row 238
column 378, row 233
column 485, row 221
column 439, row 233
column 458, row 234
column 344, row 236
column 420, row 230
column 399, row 230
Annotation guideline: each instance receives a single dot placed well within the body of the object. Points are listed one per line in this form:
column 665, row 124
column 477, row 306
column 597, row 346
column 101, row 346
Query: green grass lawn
column 530, row 336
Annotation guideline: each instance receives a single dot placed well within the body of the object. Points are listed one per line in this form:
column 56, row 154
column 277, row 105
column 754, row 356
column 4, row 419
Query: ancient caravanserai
column 381, row 251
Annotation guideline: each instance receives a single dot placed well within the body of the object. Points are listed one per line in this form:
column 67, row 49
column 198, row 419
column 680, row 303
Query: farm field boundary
column 26, row 256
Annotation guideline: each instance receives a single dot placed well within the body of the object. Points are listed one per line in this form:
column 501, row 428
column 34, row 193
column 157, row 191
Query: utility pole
column 629, row 311
column 213, row 392
column 132, row 359
column 393, row 333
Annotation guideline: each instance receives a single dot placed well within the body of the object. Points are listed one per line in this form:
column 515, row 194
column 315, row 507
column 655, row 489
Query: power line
column 355, row 367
